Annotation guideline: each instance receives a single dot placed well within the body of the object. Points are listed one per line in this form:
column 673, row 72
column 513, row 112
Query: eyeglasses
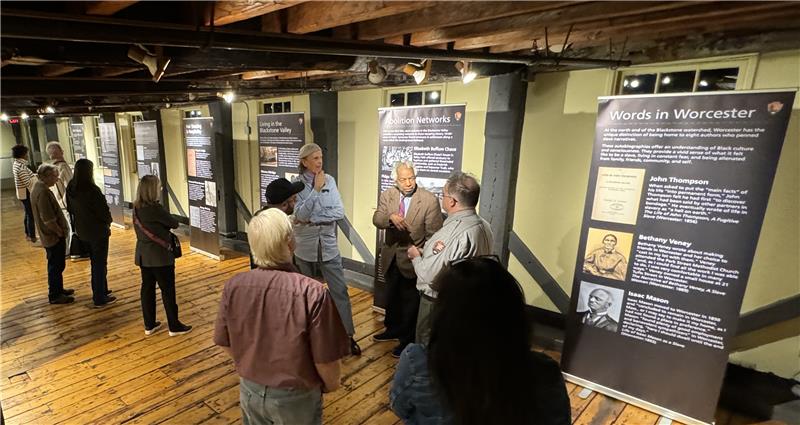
column 492, row 257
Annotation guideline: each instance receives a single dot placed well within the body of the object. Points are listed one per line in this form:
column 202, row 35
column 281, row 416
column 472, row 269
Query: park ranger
column 464, row 235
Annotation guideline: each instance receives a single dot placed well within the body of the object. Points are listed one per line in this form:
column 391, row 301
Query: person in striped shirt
column 24, row 179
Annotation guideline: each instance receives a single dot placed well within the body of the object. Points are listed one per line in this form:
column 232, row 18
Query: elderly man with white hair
column 316, row 212
column 410, row 215
column 282, row 330
column 53, row 230
column 56, row 154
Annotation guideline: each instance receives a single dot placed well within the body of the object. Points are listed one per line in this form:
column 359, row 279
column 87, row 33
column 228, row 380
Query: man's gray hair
column 464, row 188
column 405, row 163
column 45, row 169
column 51, row 147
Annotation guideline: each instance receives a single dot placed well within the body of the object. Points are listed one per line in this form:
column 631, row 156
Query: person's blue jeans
column 280, row 406
column 98, row 252
column 56, row 263
column 28, row 222
column 333, row 273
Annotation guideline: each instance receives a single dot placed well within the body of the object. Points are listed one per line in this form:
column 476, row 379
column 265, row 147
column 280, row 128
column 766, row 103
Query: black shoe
column 354, row 348
column 152, row 330
column 68, row 291
column 180, row 330
column 384, row 336
column 397, row 351
column 108, row 292
column 109, row 300
column 63, row 299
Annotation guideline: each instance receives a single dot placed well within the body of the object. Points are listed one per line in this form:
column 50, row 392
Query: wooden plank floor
column 78, row 365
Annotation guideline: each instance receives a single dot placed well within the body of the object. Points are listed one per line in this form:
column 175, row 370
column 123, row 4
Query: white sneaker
column 154, row 329
column 37, row 243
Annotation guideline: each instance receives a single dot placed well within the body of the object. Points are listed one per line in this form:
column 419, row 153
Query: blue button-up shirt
column 317, row 213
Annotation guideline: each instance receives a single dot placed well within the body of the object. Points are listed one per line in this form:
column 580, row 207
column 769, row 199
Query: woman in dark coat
column 92, row 221
column 157, row 262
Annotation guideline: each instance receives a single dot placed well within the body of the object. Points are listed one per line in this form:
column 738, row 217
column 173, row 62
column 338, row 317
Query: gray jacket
column 464, row 234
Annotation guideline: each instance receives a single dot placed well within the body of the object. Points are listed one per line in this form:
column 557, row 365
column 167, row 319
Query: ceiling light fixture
column 229, row 96
column 467, row 74
column 4, row 117
column 420, row 71
column 50, row 110
column 24, row 116
column 375, row 72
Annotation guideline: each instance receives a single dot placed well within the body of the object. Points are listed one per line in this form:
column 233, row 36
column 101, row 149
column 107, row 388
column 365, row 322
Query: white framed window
column 712, row 74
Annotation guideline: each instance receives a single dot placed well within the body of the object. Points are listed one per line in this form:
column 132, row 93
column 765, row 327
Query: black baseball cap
column 281, row 189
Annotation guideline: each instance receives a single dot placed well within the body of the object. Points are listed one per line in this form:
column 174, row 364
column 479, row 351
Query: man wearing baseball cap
column 280, row 194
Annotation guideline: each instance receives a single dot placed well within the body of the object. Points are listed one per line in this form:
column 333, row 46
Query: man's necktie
column 402, row 211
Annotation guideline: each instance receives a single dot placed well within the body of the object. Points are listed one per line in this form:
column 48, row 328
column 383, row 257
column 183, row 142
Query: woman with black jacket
column 92, row 220
column 157, row 262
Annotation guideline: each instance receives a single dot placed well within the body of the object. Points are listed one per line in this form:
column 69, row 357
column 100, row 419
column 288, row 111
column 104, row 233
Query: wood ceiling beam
column 116, row 71
column 51, row 70
column 319, row 15
column 522, row 25
column 753, row 16
column 650, row 22
column 228, row 12
column 453, row 13
column 19, row 24
column 258, row 75
column 106, row 8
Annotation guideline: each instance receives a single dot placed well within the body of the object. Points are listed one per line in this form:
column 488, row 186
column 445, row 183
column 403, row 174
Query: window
column 713, row 74
column 414, row 98
column 193, row 113
column 277, row 107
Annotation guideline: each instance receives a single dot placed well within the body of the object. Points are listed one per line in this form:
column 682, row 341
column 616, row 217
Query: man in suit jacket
column 410, row 215
column 599, row 303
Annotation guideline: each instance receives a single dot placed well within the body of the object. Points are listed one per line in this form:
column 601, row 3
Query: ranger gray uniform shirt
column 464, row 234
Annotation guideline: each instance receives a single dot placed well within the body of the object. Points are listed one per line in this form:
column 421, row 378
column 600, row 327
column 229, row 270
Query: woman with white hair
column 318, row 208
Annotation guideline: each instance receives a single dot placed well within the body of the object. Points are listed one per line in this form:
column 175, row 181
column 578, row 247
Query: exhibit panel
column 203, row 194
column 112, row 181
column 280, row 137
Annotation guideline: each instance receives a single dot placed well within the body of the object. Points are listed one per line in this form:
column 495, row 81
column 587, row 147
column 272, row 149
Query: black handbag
column 173, row 246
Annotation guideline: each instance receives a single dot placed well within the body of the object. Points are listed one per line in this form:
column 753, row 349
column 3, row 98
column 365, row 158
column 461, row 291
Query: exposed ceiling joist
column 228, row 12
column 453, row 13
column 523, row 24
column 681, row 47
column 116, row 71
column 319, row 15
column 258, row 75
column 51, row 70
column 649, row 22
column 106, row 8
column 30, row 25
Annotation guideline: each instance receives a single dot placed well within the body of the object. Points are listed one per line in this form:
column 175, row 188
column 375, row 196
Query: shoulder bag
column 173, row 246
